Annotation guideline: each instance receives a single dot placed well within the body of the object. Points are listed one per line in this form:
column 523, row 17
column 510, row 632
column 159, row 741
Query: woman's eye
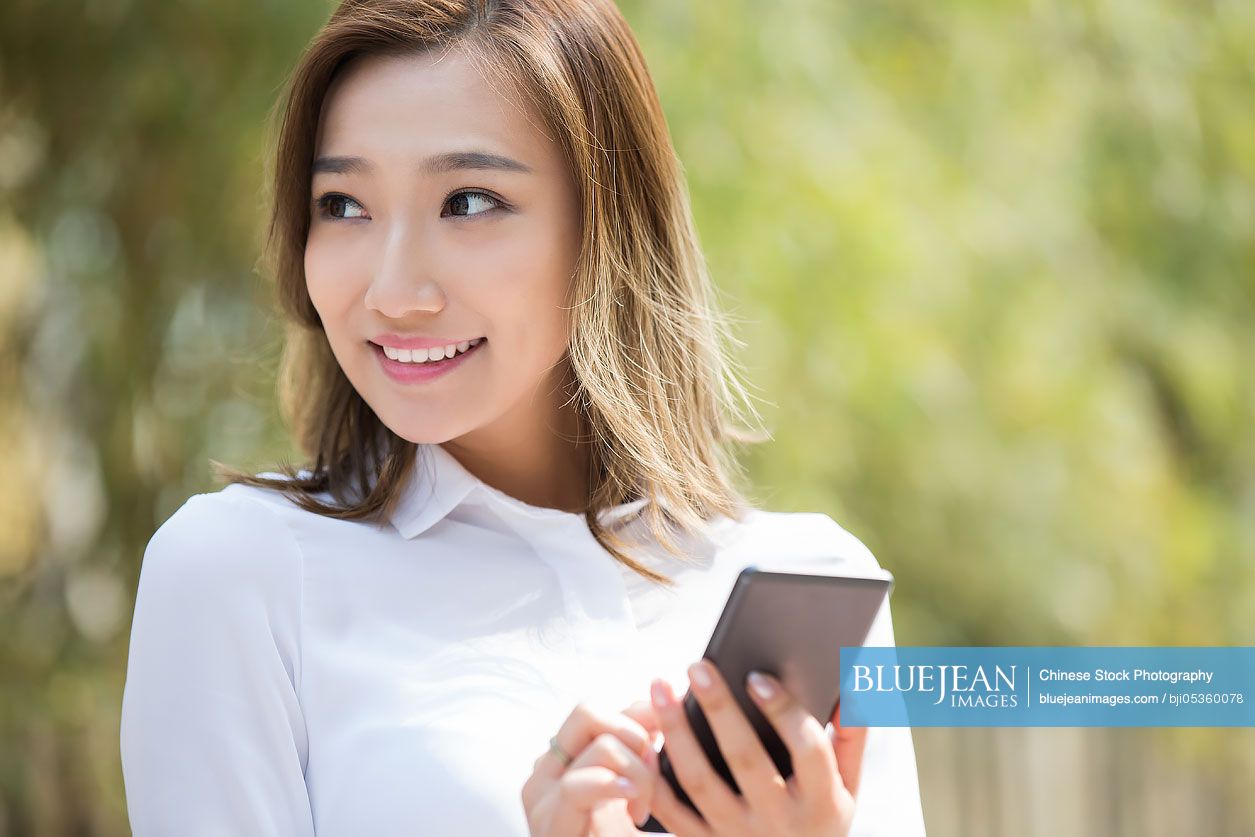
column 464, row 200
column 335, row 206
column 462, row 204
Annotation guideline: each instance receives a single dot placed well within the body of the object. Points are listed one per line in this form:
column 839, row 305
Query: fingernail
column 625, row 784
column 761, row 687
column 699, row 675
column 658, row 691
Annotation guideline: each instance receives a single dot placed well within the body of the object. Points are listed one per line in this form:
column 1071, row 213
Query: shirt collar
column 439, row 483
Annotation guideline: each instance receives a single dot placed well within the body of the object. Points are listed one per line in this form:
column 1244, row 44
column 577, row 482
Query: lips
column 417, row 373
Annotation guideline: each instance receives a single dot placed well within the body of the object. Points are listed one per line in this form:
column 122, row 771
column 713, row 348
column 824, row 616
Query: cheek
column 330, row 280
column 524, row 303
column 530, row 288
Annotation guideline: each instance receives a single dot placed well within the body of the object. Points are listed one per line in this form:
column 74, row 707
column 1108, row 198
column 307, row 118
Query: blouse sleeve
column 888, row 800
column 212, row 735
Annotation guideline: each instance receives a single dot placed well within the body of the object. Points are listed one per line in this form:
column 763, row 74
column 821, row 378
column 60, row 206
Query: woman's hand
column 818, row 799
column 582, row 798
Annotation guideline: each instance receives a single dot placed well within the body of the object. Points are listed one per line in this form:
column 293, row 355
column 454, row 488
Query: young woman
column 471, row 615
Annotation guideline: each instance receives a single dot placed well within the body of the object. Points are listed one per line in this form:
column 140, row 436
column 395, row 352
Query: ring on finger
column 556, row 749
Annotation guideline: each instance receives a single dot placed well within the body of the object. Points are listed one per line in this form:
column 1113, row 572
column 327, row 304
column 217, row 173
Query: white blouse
column 292, row 674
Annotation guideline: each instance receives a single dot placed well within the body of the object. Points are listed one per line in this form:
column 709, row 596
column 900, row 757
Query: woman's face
column 441, row 214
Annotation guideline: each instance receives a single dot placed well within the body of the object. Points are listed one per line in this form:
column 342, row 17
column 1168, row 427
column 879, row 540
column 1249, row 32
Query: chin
column 428, row 433
column 419, row 436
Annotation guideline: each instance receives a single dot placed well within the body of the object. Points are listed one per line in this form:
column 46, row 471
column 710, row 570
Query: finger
column 814, row 759
column 579, row 790
column 678, row 818
column 580, row 728
column 753, row 769
column 849, row 744
column 710, row 794
column 610, row 751
column 609, row 819
column 643, row 713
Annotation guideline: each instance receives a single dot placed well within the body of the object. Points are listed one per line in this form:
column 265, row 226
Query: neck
column 533, row 457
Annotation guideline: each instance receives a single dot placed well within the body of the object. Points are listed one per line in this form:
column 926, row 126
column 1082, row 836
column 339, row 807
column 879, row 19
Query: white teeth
column 425, row 355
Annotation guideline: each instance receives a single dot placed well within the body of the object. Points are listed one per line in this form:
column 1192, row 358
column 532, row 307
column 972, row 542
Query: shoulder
column 218, row 606
column 811, row 539
column 228, row 543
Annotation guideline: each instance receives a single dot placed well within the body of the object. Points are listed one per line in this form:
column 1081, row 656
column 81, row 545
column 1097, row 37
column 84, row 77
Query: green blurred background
column 992, row 262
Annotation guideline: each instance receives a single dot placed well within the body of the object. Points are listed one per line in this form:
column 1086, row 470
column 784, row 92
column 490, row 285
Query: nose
column 402, row 283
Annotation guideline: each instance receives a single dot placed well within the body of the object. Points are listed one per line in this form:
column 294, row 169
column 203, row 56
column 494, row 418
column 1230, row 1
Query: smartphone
column 792, row 626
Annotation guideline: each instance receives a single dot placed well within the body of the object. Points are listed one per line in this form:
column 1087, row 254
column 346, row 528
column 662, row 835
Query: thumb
column 642, row 711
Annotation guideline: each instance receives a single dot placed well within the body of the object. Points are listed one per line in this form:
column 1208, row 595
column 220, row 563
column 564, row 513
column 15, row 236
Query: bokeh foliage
column 992, row 261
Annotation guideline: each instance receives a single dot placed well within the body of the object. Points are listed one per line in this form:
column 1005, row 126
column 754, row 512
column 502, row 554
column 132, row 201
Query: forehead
column 416, row 104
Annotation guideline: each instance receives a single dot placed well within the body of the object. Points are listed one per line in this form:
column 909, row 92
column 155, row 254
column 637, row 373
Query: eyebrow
column 434, row 165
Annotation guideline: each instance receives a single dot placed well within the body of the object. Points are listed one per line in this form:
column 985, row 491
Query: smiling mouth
column 421, row 358
column 428, row 357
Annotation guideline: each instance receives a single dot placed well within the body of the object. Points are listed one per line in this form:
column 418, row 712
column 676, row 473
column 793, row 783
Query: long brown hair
column 658, row 398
